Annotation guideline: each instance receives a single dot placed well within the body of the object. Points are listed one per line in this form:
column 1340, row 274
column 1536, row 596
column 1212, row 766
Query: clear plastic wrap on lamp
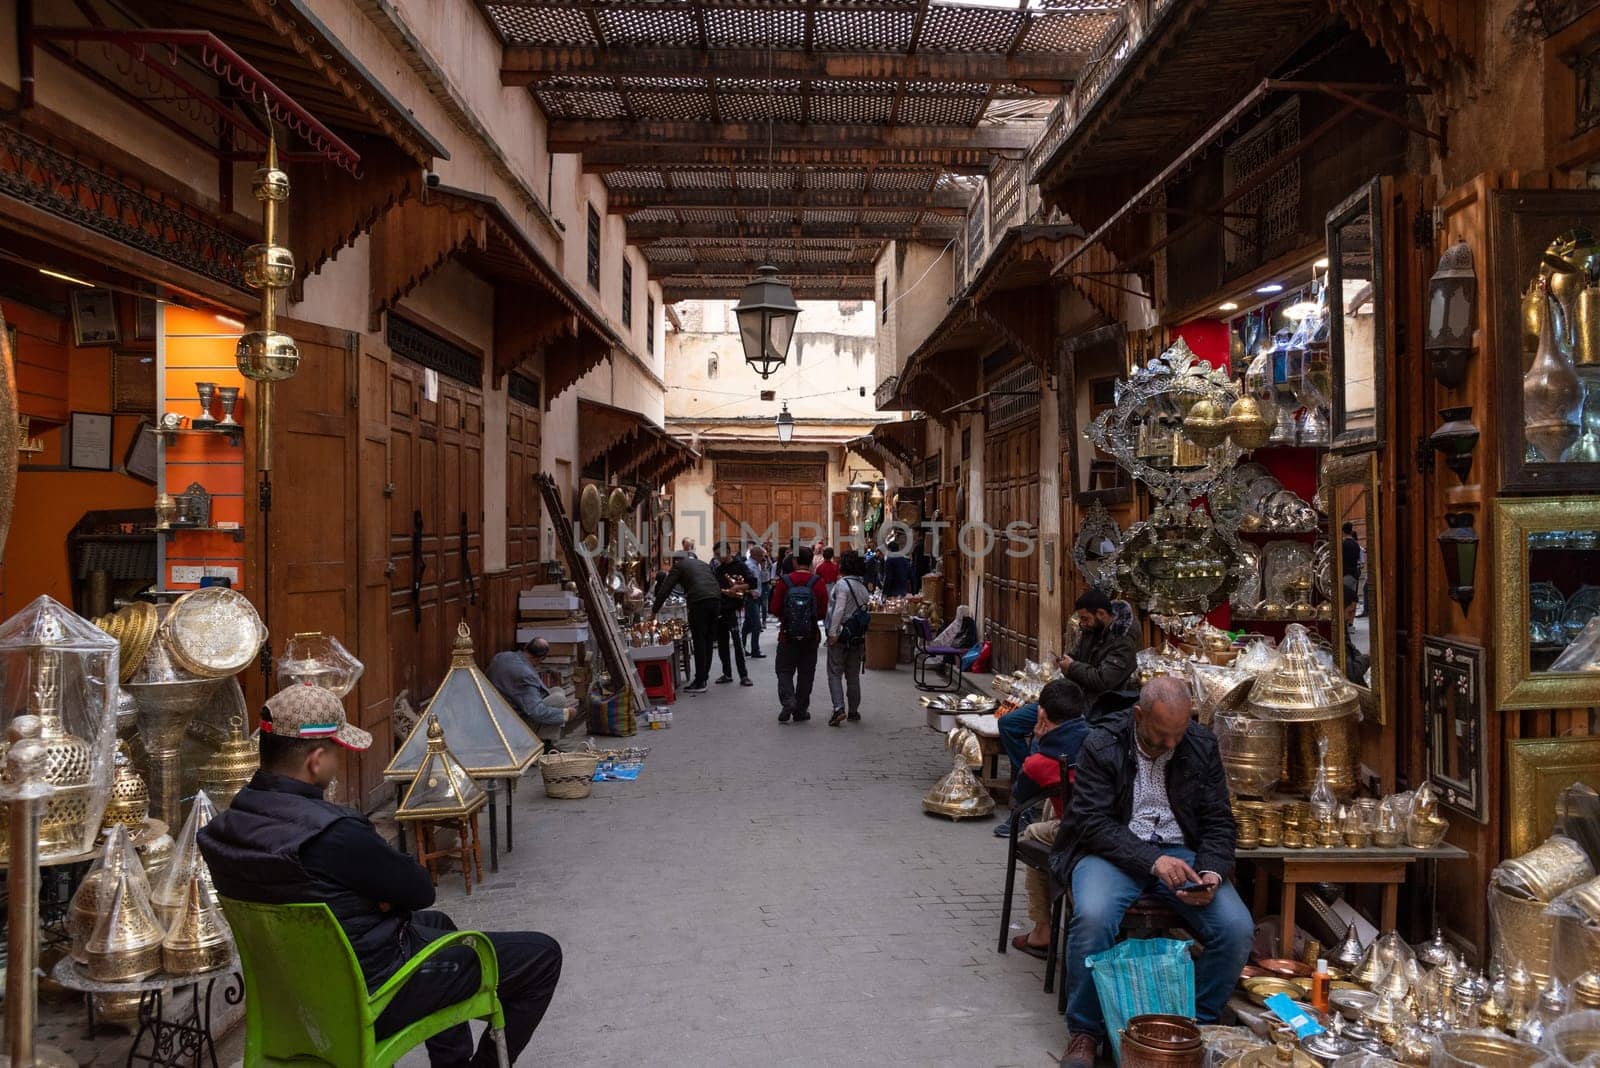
column 320, row 660
column 60, row 667
column 1323, row 802
column 1259, row 657
column 1584, row 652
column 172, row 891
column 1302, row 688
column 117, row 856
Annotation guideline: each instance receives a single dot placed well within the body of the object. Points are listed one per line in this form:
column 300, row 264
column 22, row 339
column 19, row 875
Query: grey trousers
column 844, row 674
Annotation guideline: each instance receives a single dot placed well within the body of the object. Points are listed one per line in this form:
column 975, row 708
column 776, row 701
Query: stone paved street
column 770, row 894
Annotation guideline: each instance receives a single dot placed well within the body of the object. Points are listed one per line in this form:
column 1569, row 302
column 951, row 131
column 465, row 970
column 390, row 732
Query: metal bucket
column 1162, row 1041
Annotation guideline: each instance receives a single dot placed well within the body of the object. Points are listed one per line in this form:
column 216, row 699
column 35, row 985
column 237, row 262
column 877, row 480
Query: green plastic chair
column 307, row 1003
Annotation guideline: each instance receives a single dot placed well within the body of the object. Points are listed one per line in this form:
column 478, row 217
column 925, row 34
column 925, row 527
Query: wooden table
column 1385, row 867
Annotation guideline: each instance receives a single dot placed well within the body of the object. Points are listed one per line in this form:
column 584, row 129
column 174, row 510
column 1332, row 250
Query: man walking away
column 847, row 637
column 896, row 571
column 800, row 601
column 734, row 581
column 828, row 571
column 704, row 594
column 754, row 606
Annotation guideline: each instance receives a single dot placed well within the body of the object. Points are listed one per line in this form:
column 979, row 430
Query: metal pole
column 25, row 765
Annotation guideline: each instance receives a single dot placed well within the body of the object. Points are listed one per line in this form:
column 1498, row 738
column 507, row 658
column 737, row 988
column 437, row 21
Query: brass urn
column 232, row 766
column 1247, row 424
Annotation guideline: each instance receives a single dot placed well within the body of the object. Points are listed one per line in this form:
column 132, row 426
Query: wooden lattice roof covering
column 805, row 131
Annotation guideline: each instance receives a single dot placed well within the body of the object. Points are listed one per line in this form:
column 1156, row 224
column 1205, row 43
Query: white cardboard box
column 552, row 634
column 561, row 601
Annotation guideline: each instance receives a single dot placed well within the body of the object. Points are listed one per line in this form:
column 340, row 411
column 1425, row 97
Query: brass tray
column 616, row 504
column 589, row 508
column 138, row 636
column 213, row 632
column 1263, row 988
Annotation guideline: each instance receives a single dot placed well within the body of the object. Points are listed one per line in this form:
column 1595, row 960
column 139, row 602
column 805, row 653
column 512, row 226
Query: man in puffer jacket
column 1104, row 658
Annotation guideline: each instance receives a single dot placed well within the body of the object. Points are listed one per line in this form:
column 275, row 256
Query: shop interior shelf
column 234, row 434
column 237, row 532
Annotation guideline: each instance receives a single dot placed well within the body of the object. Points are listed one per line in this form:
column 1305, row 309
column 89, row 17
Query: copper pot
column 1161, row 1041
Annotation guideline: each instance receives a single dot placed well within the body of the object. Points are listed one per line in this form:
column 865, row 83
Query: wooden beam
column 752, row 258
column 693, row 289
column 582, row 135
column 929, row 230
column 523, row 64
column 606, row 158
column 938, row 201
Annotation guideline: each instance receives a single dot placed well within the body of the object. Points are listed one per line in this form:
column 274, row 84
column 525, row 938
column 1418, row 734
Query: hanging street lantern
column 785, row 426
column 767, row 314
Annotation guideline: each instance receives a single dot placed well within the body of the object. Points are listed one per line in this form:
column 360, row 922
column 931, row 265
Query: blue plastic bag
column 1140, row 976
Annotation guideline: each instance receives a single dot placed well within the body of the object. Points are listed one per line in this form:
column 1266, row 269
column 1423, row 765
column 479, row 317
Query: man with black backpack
column 847, row 637
column 800, row 601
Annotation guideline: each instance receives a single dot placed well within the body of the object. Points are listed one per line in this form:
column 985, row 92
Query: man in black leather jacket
column 280, row 842
column 1150, row 813
column 704, row 594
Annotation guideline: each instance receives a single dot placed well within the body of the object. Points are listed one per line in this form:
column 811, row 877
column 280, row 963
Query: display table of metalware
column 1369, row 865
column 184, row 1040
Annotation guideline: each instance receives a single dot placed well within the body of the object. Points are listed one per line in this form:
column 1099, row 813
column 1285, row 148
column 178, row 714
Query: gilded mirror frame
column 1537, row 771
column 1516, row 685
column 1360, row 469
column 1369, row 198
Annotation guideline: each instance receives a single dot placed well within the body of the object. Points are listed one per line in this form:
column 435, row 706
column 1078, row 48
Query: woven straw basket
column 568, row 775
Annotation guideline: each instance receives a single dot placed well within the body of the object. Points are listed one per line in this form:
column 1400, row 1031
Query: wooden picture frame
column 1538, row 770
column 1522, row 223
column 1516, row 684
column 1362, row 211
column 89, row 441
column 140, row 460
column 1456, row 721
column 145, row 313
column 94, row 318
column 133, row 383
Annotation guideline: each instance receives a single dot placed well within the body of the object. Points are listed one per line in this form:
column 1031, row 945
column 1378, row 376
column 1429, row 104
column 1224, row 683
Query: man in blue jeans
column 1150, row 813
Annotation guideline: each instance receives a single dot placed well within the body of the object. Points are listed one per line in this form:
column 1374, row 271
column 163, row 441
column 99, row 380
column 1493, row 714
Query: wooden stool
column 467, row 850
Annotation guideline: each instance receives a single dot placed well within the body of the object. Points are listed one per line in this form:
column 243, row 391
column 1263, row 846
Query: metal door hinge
column 389, row 488
column 1424, row 454
column 264, row 494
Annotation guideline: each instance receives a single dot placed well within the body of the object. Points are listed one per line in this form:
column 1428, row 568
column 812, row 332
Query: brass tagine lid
column 231, row 767
column 959, row 794
column 199, row 940
column 126, row 943
column 441, row 789
column 1300, row 689
column 129, row 803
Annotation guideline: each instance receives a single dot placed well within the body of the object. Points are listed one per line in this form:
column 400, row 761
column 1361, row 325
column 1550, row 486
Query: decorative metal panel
column 522, row 388
column 751, row 471
column 977, row 244
column 1014, row 396
column 1276, row 202
column 405, row 338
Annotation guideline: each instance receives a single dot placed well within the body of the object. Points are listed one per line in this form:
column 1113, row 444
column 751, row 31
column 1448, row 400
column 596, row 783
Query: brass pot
column 1343, row 745
column 1547, row 871
column 1522, row 932
column 1252, row 753
column 1247, row 424
column 126, row 943
column 1205, row 424
column 1458, row 1049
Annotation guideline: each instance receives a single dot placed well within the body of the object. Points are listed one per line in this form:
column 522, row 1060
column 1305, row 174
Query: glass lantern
column 58, row 666
column 319, row 659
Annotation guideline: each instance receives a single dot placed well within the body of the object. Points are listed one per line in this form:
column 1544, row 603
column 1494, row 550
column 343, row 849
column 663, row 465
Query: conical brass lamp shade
column 126, row 943
column 199, row 940
column 484, row 733
column 959, row 794
column 1300, row 689
column 187, row 863
column 441, row 789
column 117, row 857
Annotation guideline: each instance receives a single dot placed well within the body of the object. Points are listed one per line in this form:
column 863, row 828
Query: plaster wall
column 921, row 282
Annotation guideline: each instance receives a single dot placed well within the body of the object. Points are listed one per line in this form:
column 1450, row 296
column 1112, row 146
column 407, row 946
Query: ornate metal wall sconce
column 1459, row 547
column 1455, row 440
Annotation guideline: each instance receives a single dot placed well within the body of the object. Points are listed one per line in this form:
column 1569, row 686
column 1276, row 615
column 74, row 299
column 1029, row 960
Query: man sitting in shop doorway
column 1150, row 813
column 516, row 675
column 281, row 843
column 1059, row 732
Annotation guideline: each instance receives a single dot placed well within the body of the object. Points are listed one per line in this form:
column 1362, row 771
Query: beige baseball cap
column 306, row 711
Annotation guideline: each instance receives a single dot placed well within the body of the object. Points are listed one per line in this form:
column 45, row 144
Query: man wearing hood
column 1103, row 660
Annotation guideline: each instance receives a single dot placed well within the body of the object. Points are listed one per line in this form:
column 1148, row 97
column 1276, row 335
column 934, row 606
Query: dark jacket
column 897, row 575
column 694, row 577
column 1063, row 741
column 280, row 843
column 727, row 574
column 1102, row 803
column 1104, row 660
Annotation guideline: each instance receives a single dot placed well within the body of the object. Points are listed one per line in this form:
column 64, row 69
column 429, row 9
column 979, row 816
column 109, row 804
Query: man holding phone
column 1150, row 814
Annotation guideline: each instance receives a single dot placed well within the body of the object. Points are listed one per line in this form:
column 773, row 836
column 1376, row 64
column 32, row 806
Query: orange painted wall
column 50, row 503
column 200, row 348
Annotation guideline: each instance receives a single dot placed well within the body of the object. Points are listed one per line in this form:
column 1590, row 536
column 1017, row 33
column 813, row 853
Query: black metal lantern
column 1459, row 546
column 785, row 425
column 1455, row 439
column 1452, row 315
column 767, row 314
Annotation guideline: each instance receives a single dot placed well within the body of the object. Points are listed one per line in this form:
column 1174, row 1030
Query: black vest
column 253, row 851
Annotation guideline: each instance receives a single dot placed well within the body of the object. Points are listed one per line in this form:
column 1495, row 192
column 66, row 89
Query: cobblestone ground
column 769, row 894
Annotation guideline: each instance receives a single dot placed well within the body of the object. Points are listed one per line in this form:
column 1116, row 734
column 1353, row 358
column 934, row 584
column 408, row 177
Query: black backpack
column 799, row 615
column 854, row 627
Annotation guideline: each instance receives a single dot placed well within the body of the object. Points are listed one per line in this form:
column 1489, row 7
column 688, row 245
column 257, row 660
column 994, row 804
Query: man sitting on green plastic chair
column 281, row 843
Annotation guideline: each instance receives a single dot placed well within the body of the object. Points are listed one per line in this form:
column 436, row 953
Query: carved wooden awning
column 536, row 311
column 903, row 439
column 636, row 451
column 873, row 450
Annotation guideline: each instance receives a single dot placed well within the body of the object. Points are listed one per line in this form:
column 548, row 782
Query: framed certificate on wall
column 94, row 317
column 89, row 448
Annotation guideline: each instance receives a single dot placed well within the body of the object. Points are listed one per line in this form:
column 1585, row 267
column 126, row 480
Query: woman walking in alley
column 847, row 637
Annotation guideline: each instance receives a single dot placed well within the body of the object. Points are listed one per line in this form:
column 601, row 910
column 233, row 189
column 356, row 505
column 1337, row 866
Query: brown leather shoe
column 1081, row 1052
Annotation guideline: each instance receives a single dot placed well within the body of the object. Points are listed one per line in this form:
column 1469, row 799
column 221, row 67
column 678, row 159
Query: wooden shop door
column 461, row 514
column 310, row 563
column 1011, row 583
column 523, row 429
column 377, row 492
